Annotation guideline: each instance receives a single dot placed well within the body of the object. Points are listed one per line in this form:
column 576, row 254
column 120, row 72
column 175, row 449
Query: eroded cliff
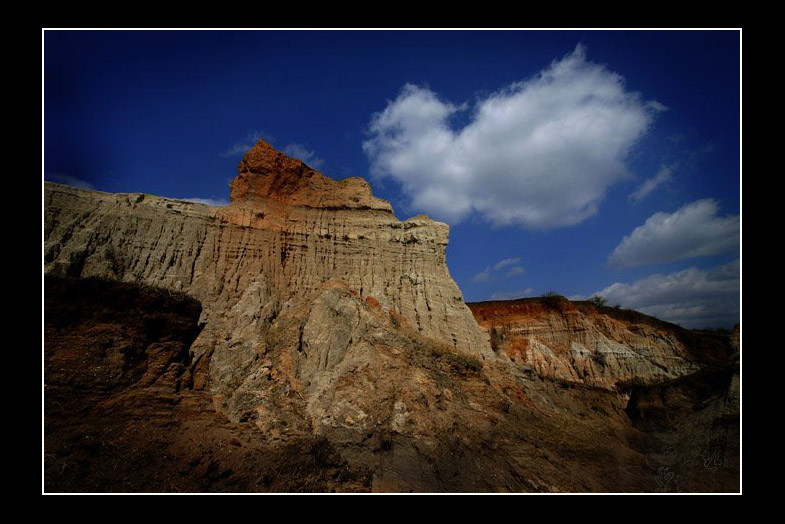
column 287, row 233
column 594, row 345
column 333, row 351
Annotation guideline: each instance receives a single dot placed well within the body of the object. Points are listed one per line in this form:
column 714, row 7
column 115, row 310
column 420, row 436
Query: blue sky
column 580, row 162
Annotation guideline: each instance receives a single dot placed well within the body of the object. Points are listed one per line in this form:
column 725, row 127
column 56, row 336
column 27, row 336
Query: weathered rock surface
column 121, row 414
column 398, row 413
column 333, row 352
column 597, row 346
column 693, row 425
column 288, row 231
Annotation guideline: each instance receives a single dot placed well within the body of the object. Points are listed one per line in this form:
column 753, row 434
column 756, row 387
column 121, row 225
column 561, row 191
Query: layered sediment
column 287, row 233
column 593, row 345
column 303, row 338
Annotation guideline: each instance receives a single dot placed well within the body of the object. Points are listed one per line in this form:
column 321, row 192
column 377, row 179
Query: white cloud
column 493, row 272
column 662, row 176
column 69, row 180
column 517, row 270
column 483, row 276
column 512, row 295
column 208, row 201
column 539, row 153
column 242, row 147
column 501, row 264
column 694, row 298
column 694, row 230
column 298, row 151
column 301, row 152
column 657, row 106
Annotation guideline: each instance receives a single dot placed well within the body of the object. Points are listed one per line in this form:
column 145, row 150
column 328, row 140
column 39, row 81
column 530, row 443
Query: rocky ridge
column 594, row 345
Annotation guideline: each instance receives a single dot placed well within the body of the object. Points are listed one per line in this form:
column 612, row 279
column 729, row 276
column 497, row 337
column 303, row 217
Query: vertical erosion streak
column 199, row 244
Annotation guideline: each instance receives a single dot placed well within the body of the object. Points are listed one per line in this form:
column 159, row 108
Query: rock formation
column 334, row 341
column 594, row 345
column 288, row 232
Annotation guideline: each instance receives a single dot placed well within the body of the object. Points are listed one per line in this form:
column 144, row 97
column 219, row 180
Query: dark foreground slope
column 122, row 415
column 681, row 386
column 126, row 409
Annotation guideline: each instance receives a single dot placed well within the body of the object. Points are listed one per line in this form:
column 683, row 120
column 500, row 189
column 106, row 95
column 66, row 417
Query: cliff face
column 598, row 346
column 287, row 234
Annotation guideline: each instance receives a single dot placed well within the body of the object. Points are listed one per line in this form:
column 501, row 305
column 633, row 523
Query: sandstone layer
column 594, row 345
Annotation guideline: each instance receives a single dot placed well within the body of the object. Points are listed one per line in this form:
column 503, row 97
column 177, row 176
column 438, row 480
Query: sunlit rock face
column 593, row 345
column 288, row 231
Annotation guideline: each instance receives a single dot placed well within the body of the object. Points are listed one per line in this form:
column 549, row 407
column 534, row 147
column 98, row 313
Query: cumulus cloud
column 301, row 152
column 69, row 180
column 694, row 230
column 512, row 295
column 540, row 153
column 208, row 201
column 662, row 176
column 505, row 268
column 694, row 298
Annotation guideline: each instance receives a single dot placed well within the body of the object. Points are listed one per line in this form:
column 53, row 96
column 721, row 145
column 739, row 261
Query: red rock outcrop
column 266, row 175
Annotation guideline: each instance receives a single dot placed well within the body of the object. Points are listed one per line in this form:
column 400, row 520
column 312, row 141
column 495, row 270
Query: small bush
column 598, row 300
column 552, row 299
